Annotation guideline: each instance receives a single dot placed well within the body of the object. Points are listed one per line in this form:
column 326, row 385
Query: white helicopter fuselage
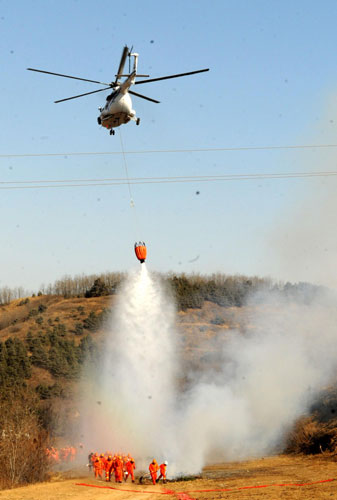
column 117, row 110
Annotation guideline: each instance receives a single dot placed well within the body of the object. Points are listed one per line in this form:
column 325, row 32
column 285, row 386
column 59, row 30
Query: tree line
column 67, row 286
column 189, row 291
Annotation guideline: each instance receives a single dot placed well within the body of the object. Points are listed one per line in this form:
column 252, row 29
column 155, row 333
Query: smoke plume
column 268, row 377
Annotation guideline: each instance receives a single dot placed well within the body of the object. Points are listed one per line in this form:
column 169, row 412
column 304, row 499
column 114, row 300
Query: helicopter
column 118, row 107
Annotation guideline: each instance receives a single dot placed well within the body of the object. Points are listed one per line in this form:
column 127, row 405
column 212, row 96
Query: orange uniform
column 73, row 452
column 98, row 466
column 56, row 456
column 130, row 467
column 93, row 458
column 162, row 468
column 52, row 455
column 118, row 466
column 64, row 454
column 103, row 460
column 153, row 468
column 108, row 468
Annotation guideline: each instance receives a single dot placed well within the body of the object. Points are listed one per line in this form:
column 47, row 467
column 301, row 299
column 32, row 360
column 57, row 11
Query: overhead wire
column 42, row 184
column 160, row 151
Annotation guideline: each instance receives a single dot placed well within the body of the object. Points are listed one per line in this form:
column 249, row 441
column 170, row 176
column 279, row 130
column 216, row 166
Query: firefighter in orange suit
column 162, row 468
column 103, row 460
column 153, row 468
column 93, row 458
column 118, row 469
column 130, row 467
column 108, row 467
column 97, row 467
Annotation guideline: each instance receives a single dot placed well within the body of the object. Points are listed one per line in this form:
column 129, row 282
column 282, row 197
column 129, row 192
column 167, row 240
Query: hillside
column 32, row 321
column 42, row 312
column 45, row 339
column 54, row 334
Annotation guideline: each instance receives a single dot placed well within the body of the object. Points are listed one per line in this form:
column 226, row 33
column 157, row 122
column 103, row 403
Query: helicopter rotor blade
column 68, row 76
column 143, row 97
column 122, row 63
column 171, row 76
column 81, row 95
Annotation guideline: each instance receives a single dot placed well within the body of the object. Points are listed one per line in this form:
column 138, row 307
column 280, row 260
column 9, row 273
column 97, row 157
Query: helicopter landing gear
column 112, row 132
column 138, row 121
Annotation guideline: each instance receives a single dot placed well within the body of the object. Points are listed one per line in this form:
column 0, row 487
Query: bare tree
column 22, row 444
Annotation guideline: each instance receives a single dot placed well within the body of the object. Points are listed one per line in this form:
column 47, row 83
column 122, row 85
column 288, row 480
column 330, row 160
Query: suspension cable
column 132, row 203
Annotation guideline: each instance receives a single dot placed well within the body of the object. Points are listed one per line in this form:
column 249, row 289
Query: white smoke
column 268, row 378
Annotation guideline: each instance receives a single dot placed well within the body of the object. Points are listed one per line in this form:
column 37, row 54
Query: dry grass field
column 272, row 478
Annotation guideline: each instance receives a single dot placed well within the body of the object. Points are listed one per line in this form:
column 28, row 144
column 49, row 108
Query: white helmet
column 165, row 462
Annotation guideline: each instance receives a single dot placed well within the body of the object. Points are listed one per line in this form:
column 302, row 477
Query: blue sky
column 272, row 82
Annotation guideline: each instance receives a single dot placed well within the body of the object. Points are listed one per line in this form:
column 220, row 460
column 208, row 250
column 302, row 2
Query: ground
column 272, row 478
